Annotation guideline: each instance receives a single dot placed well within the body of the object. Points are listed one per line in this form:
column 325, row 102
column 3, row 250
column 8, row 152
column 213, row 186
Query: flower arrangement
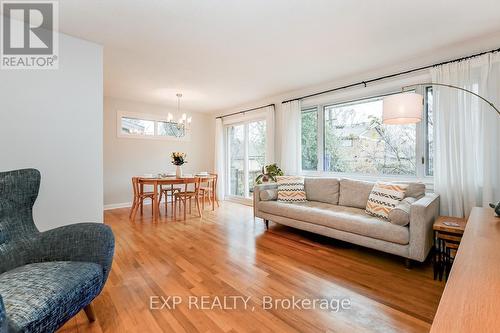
column 178, row 158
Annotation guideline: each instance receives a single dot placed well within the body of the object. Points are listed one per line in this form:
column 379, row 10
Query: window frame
column 420, row 144
column 147, row 117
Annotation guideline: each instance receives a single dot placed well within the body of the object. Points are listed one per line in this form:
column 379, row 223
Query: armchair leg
column 89, row 311
column 267, row 224
column 407, row 263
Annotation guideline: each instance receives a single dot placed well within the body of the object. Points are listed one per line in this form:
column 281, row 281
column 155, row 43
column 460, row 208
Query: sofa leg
column 267, row 224
column 408, row 263
column 89, row 311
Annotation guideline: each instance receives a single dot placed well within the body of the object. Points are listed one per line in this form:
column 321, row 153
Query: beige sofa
column 336, row 208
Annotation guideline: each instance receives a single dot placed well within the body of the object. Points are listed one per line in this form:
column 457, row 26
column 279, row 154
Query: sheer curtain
column 270, row 121
column 220, row 158
column 291, row 142
column 467, row 139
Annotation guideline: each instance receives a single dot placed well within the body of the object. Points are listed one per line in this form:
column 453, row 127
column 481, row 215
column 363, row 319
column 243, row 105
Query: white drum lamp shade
column 404, row 108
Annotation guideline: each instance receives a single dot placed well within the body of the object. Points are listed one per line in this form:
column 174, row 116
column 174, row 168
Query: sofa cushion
column 349, row 219
column 383, row 198
column 400, row 215
column 42, row 296
column 322, row 190
column 354, row 193
column 267, row 195
column 291, row 189
column 415, row 189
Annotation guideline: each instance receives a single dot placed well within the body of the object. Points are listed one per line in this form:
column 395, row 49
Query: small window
column 151, row 126
column 134, row 126
column 166, row 128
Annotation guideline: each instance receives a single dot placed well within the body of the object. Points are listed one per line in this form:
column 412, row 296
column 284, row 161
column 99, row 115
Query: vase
column 178, row 171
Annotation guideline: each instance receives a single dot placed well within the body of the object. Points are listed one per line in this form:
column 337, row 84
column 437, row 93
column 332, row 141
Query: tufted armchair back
column 18, row 192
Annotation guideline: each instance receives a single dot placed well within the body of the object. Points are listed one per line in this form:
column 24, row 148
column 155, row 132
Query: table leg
column 155, row 202
column 213, row 194
column 172, row 196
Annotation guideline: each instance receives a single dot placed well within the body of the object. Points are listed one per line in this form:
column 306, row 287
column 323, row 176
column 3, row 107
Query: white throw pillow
column 383, row 198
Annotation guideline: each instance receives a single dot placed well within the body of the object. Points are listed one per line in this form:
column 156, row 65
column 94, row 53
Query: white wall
column 51, row 120
column 128, row 157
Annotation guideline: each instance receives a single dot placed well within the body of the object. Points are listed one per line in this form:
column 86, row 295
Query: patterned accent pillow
column 383, row 198
column 291, row 189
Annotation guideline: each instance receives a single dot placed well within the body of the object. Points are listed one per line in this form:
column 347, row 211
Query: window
column 350, row 138
column 310, row 139
column 133, row 126
column 166, row 128
column 356, row 141
column 137, row 125
column 246, row 150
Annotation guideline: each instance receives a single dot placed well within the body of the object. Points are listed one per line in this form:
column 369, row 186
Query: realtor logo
column 29, row 37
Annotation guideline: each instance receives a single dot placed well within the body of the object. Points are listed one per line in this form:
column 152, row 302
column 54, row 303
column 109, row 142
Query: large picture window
column 353, row 140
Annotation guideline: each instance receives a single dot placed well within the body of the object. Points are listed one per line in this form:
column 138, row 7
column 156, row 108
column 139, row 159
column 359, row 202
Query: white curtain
column 291, row 138
column 270, row 158
column 220, row 158
column 467, row 139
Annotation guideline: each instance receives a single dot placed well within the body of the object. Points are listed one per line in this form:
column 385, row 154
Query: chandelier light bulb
column 189, row 120
column 184, row 116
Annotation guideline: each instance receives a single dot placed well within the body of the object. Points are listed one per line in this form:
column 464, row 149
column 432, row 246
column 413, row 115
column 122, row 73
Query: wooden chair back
column 136, row 186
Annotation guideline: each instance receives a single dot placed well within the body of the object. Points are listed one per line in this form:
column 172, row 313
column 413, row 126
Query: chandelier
column 178, row 129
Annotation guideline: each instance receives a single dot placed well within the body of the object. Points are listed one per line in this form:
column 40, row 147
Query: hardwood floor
column 226, row 253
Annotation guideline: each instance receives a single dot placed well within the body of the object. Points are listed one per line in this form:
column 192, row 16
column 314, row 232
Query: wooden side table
column 446, row 241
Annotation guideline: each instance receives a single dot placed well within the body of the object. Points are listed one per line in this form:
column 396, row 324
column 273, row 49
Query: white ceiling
column 222, row 53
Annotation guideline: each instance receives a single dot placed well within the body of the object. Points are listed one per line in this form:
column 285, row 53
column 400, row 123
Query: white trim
column 118, row 205
column 240, row 200
column 128, row 204
column 149, row 117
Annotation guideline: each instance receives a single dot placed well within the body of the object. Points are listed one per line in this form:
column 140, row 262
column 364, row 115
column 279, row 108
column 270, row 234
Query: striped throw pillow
column 383, row 198
column 291, row 189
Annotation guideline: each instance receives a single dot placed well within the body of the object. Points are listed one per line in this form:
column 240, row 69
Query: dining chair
column 139, row 196
column 168, row 192
column 185, row 196
column 206, row 190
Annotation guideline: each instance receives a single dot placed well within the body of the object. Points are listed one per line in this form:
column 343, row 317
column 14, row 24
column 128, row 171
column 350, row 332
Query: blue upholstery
column 3, row 319
column 45, row 277
column 56, row 290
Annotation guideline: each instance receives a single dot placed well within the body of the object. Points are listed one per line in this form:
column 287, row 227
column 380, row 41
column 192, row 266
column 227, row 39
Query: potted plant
column 268, row 173
column 178, row 159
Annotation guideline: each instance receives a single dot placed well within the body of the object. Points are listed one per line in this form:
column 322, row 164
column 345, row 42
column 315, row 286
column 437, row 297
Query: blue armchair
column 46, row 277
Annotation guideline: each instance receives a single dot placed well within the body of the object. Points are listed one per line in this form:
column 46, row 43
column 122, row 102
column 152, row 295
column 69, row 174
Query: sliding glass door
column 246, row 152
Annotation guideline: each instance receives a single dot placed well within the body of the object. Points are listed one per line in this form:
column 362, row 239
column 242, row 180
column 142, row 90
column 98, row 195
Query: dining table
column 155, row 182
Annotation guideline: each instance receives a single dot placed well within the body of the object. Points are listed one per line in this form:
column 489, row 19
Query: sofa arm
column 90, row 242
column 256, row 194
column 423, row 213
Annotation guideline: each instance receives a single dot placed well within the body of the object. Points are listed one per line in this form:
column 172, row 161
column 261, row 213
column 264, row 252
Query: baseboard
column 118, row 205
column 126, row 205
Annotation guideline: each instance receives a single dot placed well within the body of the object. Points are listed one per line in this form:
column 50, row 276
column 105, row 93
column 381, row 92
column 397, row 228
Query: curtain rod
column 391, row 76
column 245, row 111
